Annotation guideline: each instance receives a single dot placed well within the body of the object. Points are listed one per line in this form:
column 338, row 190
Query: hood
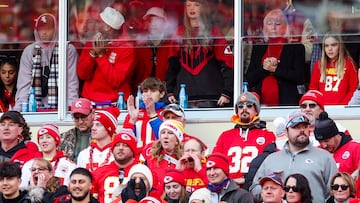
column 42, row 19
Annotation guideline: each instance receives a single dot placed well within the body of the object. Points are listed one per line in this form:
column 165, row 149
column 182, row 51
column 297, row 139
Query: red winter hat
column 218, row 160
column 108, row 118
column 173, row 175
column 315, row 96
column 50, row 129
column 126, row 137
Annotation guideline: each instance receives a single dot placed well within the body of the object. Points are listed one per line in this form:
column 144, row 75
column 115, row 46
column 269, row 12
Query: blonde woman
column 335, row 74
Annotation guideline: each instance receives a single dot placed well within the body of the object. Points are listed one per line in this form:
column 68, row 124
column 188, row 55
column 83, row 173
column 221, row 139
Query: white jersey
column 62, row 170
column 98, row 157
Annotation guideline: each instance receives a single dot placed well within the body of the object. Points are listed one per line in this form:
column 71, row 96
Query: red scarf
column 270, row 87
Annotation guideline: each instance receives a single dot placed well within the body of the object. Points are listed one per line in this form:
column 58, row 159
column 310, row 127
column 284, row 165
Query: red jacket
column 335, row 91
column 242, row 150
column 109, row 74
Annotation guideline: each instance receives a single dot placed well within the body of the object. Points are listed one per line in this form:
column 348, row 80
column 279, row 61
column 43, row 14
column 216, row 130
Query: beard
column 300, row 143
column 80, row 198
column 245, row 117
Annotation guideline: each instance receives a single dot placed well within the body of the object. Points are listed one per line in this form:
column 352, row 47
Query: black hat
column 325, row 127
column 11, row 115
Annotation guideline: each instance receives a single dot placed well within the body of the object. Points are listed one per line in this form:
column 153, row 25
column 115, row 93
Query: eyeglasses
column 336, row 187
column 247, row 104
column 80, row 116
column 296, row 120
column 38, row 169
column 305, row 105
column 294, row 188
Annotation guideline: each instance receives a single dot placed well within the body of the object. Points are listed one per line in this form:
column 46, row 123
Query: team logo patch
column 168, row 179
column 260, row 140
column 210, row 164
column 43, row 131
column 243, row 97
column 125, row 136
column 228, row 50
column 345, row 155
column 78, row 104
column 309, row 161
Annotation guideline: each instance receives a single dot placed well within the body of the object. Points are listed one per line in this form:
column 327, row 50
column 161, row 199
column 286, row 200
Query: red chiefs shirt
column 196, row 180
column 335, row 91
column 106, row 179
column 347, row 157
column 242, row 150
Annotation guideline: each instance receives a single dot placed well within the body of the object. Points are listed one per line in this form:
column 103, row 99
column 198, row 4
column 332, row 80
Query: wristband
column 92, row 54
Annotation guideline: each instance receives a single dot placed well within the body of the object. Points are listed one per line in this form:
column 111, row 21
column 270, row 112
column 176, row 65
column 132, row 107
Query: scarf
column 45, row 78
column 218, row 187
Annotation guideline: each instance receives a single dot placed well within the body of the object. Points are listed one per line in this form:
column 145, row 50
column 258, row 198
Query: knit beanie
column 143, row 169
column 315, row 96
column 149, row 199
column 173, row 175
column 174, row 126
column 50, row 129
column 252, row 97
column 108, row 118
column 127, row 137
column 325, row 127
column 218, row 160
column 202, row 194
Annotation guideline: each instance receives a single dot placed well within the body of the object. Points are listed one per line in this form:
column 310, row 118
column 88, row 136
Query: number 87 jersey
column 242, row 146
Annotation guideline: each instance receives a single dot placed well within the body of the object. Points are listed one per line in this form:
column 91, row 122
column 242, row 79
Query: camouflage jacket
column 72, row 144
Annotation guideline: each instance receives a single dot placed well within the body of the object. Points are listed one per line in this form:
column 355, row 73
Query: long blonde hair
column 340, row 61
column 205, row 26
column 157, row 148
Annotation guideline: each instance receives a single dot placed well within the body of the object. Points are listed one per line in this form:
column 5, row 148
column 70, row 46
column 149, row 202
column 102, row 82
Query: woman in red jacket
column 9, row 68
column 335, row 74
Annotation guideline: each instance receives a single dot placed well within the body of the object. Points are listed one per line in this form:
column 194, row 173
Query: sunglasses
column 294, row 188
column 336, row 187
column 174, row 107
column 296, row 120
column 305, row 105
column 247, row 104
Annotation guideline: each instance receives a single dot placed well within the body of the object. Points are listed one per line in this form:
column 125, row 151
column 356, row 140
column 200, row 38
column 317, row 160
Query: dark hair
column 10, row 169
column 153, row 83
column 303, row 184
column 12, row 61
column 82, row 171
column 26, row 134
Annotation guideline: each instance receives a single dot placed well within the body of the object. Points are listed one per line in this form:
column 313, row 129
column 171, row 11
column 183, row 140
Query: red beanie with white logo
column 127, row 137
column 108, row 118
column 218, row 160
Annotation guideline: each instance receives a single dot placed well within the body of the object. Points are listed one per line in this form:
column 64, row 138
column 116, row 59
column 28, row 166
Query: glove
column 128, row 192
column 142, row 190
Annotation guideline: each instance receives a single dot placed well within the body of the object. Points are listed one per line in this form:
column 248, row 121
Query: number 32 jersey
column 242, row 146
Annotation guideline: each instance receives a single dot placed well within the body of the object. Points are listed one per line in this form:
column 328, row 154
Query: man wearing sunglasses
column 344, row 150
column 247, row 139
column 299, row 156
column 312, row 104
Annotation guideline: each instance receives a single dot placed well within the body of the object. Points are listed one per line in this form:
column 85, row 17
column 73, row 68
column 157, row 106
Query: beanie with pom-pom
column 325, row 127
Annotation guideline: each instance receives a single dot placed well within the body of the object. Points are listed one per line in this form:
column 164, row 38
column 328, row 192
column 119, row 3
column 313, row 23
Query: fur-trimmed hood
column 34, row 194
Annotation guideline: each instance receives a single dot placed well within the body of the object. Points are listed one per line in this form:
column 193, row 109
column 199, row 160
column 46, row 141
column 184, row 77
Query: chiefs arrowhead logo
column 168, row 179
column 210, row 164
column 78, row 104
column 125, row 137
column 43, row 131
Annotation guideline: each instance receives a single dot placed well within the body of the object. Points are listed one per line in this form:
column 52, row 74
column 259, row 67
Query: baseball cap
column 273, row 177
column 295, row 119
column 154, row 11
column 11, row 115
column 81, row 105
column 112, row 17
column 175, row 109
column 46, row 20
